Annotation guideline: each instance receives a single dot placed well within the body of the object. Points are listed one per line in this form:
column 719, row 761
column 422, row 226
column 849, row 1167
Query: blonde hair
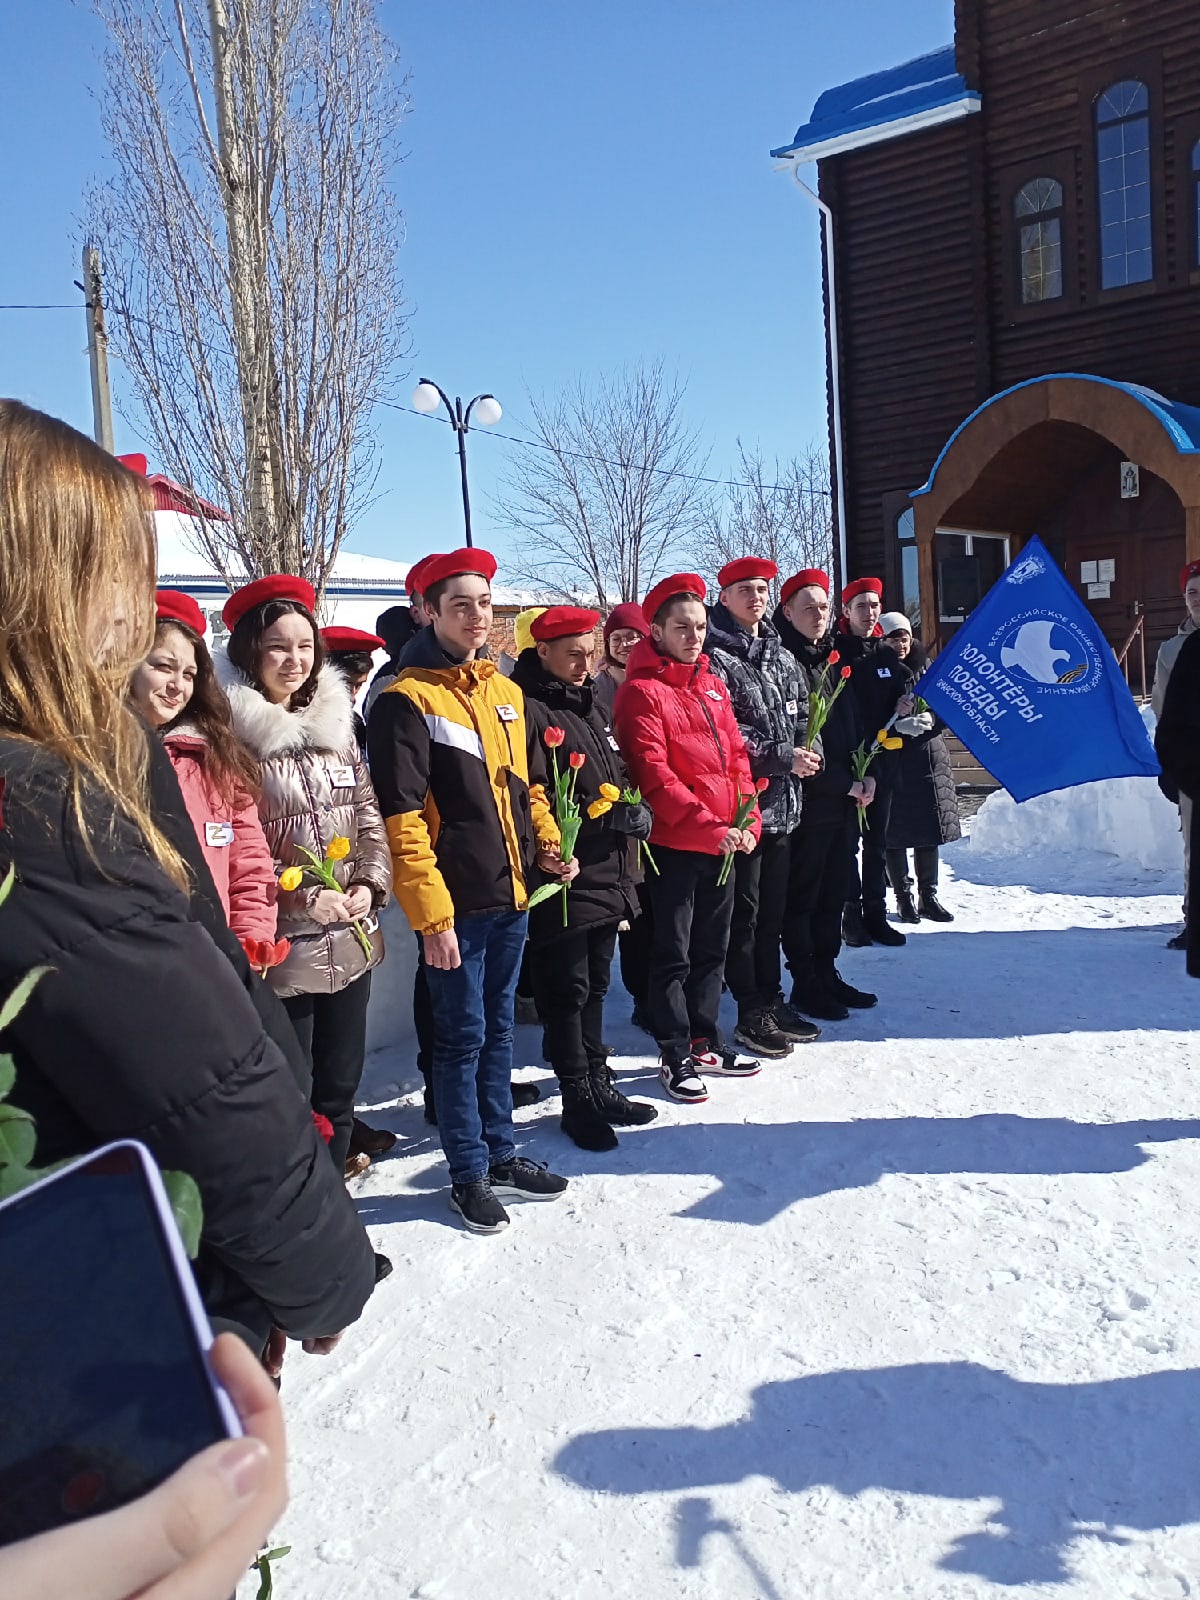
column 76, row 551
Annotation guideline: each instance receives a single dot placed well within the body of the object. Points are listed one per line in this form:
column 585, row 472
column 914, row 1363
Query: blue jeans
column 473, row 1043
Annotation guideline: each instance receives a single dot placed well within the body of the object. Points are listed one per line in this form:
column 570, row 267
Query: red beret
column 438, row 568
column 171, row 605
column 627, row 615
column 745, row 568
column 678, row 583
column 810, row 578
column 862, row 586
column 1192, row 570
column 336, row 640
column 414, row 578
column 278, row 586
column 563, row 622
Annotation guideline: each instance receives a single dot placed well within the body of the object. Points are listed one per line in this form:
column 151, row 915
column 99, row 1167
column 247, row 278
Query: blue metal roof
column 1182, row 423
column 919, row 94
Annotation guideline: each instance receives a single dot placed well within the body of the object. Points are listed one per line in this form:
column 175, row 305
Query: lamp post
column 427, row 396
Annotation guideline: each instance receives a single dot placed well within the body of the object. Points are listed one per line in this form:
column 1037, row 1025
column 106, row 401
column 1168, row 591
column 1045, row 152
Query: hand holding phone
column 203, row 1527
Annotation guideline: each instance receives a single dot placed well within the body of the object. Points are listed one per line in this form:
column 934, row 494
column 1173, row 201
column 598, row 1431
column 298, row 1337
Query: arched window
column 1123, row 157
column 1038, row 207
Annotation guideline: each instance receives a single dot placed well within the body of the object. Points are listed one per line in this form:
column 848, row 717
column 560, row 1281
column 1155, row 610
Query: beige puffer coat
column 315, row 787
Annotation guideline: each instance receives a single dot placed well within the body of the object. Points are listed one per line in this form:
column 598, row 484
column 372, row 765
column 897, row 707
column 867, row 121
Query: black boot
column 877, row 927
column 582, row 1119
column 525, row 1094
column 815, row 998
column 612, row 1104
column 932, row 909
column 853, row 932
column 846, row 993
column 905, row 904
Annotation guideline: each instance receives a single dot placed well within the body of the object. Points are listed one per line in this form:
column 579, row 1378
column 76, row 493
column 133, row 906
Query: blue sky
column 582, row 188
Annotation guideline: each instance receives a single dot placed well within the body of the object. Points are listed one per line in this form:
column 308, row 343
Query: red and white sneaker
column 682, row 1080
column 722, row 1063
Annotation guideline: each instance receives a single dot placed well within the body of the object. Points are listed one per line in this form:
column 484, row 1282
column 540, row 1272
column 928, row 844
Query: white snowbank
column 1125, row 817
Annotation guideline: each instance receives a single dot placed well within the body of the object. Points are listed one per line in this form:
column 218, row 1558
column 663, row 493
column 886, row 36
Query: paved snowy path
column 911, row 1314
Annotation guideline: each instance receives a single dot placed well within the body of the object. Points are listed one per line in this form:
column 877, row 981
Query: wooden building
column 1015, row 279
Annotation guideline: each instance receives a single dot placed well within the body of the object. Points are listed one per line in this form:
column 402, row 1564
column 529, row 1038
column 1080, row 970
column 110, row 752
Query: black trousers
column 423, row 1016
column 925, row 860
column 332, row 1030
column 570, row 979
column 635, row 945
column 871, row 887
column 817, row 879
column 687, row 955
column 760, row 891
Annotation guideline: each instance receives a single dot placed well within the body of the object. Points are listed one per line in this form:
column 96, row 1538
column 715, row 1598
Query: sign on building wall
column 1131, row 482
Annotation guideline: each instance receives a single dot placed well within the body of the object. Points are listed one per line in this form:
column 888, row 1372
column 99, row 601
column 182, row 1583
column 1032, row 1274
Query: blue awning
column 920, row 94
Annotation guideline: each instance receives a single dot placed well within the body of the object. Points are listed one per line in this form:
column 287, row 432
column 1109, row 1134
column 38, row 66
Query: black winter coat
column 604, row 890
column 143, row 1031
column 880, row 677
column 924, row 800
column 827, row 801
column 1177, row 741
column 769, row 696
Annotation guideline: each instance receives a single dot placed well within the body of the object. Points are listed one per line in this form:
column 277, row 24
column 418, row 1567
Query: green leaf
column 187, row 1209
column 12, row 1006
column 14, row 1179
column 266, row 1584
column 18, row 1137
column 546, row 892
column 10, row 877
column 8, row 1076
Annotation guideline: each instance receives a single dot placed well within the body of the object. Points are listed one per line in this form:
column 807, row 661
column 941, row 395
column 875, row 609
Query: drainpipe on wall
column 834, row 366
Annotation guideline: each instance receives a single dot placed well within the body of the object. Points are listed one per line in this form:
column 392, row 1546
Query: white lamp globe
column 426, row 398
column 488, row 411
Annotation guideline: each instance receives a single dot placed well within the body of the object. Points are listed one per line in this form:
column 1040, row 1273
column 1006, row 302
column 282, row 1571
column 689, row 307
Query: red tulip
column 323, row 1126
column 846, row 671
column 263, row 955
column 762, row 785
column 553, row 737
column 577, row 759
column 834, row 657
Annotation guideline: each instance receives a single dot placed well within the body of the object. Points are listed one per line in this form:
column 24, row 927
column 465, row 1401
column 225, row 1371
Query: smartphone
column 105, row 1387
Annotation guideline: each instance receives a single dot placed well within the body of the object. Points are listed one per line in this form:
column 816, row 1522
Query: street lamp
column 427, row 397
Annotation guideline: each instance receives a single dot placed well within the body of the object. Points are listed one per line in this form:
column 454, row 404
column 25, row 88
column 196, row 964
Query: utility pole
column 102, row 425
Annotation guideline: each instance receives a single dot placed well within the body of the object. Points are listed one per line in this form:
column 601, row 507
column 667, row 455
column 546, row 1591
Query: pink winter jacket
column 231, row 838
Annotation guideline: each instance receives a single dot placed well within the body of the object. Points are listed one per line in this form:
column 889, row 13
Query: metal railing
column 1137, row 635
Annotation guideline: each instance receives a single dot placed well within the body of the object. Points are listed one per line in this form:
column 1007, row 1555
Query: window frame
column 1060, row 165
column 1147, row 68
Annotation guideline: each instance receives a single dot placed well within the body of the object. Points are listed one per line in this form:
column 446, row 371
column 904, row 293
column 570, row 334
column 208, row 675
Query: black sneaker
column 1179, row 942
column 682, row 1081
column 525, row 1094
column 522, row 1179
column 792, row 1025
column 478, row 1207
column 721, row 1063
column 856, row 999
column 762, row 1036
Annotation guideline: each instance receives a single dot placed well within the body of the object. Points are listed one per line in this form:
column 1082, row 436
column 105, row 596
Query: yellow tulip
column 882, row 737
column 291, row 878
column 338, row 850
column 599, row 807
column 893, row 744
column 609, row 791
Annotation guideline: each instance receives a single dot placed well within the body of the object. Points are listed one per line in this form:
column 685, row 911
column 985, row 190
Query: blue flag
column 1031, row 687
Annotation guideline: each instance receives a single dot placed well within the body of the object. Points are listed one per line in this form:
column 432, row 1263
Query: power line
column 76, row 305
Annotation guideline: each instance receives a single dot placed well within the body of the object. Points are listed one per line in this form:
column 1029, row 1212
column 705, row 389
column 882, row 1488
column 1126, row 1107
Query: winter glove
column 912, row 727
column 636, row 821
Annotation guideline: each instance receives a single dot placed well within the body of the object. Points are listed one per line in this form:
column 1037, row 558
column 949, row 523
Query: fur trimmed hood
column 325, row 723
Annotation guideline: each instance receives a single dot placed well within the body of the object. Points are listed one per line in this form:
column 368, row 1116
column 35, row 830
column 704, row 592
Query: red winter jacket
column 682, row 747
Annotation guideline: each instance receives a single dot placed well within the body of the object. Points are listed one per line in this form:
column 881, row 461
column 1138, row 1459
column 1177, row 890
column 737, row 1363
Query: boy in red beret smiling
column 677, row 733
column 570, row 964
column 460, row 783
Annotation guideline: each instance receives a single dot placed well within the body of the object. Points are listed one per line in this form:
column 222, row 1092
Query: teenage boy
column 770, row 702
column 459, row 780
column 880, row 684
column 821, row 847
column 677, row 733
column 571, row 944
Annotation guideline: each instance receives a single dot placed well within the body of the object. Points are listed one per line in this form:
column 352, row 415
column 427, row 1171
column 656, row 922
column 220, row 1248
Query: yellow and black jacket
column 460, row 780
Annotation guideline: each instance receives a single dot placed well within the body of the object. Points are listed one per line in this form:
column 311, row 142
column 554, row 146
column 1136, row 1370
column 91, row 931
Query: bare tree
column 780, row 511
column 610, row 489
column 249, row 233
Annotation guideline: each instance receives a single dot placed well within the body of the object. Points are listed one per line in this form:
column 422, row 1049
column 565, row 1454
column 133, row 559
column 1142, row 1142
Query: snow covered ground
column 914, row 1313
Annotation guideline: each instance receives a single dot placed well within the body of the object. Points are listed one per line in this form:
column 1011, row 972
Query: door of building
column 1123, row 576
